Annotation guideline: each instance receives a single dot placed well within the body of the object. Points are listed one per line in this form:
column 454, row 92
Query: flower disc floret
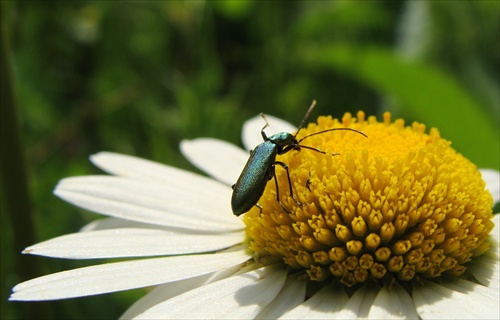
column 399, row 204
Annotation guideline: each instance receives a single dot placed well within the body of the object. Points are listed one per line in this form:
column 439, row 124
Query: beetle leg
column 270, row 174
column 285, row 166
column 288, row 148
column 278, row 190
column 259, row 206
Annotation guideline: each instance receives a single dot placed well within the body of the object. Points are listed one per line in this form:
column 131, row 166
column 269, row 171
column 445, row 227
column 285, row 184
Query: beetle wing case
column 253, row 179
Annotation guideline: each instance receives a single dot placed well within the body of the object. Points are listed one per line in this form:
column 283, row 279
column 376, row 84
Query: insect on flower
column 261, row 166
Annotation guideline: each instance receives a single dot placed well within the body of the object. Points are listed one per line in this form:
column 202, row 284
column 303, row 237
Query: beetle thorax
column 283, row 139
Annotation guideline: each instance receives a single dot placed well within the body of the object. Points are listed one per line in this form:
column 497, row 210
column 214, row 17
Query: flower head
column 376, row 223
column 400, row 204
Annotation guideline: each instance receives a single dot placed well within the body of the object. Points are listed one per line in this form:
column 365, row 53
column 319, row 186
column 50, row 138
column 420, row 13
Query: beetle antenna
column 262, row 133
column 313, row 104
column 263, row 116
column 333, row 129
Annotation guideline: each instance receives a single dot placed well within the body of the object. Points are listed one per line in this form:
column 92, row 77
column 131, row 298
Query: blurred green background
column 79, row 77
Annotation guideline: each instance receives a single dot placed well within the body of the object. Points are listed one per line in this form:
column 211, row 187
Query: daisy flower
column 396, row 225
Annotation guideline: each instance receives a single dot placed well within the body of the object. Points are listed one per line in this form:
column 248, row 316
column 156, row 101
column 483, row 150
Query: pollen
column 398, row 204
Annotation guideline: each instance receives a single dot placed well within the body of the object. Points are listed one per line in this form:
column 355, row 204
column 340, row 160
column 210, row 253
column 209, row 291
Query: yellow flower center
column 400, row 203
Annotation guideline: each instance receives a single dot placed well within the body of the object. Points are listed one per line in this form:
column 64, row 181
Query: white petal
column 359, row 304
column 469, row 287
column 221, row 160
column 120, row 276
column 115, row 243
column 322, row 305
column 116, row 223
column 495, row 233
column 434, row 301
column 237, row 297
column 129, row 166
column 486, row 268
column 181, row 204
column 162, row 293
column 292, row 294
column 492, row 179
column 393, row 302
column 167, row 291
column 251, row 135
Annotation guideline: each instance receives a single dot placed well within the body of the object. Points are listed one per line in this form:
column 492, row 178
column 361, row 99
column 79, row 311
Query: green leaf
column 426, row 93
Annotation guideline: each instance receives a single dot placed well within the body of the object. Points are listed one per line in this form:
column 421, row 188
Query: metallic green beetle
column 261, row 166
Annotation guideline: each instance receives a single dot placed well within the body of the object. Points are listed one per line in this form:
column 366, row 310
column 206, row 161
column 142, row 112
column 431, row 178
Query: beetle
column 261, row 166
